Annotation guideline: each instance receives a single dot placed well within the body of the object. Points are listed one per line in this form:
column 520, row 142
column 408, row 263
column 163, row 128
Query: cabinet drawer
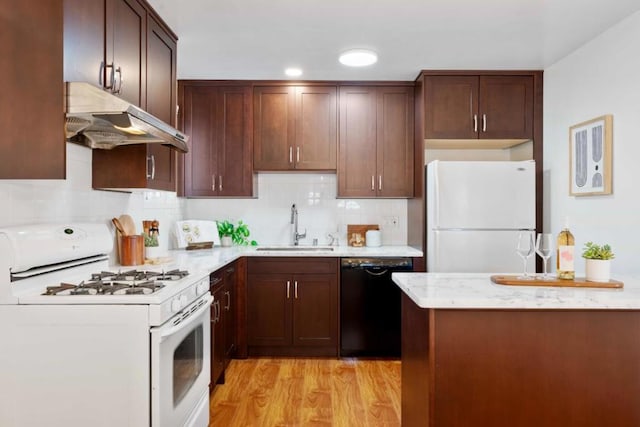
column 292, row 265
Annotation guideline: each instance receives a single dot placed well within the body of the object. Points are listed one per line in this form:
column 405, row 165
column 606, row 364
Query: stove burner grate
column 99, row 287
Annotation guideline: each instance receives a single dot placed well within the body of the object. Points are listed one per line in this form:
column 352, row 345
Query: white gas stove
column 138, row 338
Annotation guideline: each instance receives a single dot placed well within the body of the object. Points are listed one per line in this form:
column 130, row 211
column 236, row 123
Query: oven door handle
column 186, row 321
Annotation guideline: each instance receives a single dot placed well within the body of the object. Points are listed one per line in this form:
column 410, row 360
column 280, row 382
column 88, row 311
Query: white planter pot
column 598, row 270
column 226, row 241
column 151, row 252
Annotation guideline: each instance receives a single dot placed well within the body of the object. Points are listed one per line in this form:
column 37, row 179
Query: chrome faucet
column 294, row 221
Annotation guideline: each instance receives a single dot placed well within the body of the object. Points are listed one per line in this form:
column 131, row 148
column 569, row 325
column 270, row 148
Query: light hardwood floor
column 267, row 392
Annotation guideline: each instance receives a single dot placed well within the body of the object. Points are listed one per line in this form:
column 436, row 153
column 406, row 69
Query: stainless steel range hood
column 101, row 120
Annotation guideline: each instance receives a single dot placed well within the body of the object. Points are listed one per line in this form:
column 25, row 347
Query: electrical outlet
column 392, row 221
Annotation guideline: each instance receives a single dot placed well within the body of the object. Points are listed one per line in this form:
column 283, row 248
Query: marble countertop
column 473, row 290
column 210, row 260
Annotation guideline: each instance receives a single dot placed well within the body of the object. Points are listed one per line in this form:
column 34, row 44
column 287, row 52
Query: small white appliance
column 86, row 344
column 475, row 210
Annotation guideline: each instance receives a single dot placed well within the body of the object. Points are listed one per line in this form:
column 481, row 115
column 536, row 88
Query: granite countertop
column 474, row 290
column 210, row 260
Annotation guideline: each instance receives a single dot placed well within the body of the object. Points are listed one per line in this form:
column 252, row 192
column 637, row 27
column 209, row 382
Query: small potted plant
column 597, row 262
column 231, row 234
column 151, row 246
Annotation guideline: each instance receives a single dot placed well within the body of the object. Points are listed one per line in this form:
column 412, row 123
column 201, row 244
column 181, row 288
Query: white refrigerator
column 475, row 210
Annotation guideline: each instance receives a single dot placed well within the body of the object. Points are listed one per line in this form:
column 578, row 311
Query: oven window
column 187, row 364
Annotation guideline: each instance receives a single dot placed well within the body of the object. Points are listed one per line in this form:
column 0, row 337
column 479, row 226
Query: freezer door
column 459, row 251
column 498, row 195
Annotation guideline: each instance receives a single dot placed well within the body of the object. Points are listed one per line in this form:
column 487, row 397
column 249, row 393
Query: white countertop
column 474, row 290
column 213, row 259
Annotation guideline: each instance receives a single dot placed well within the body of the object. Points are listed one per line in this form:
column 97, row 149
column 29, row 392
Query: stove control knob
column 202, row 288
column 176, row 305
column 183, row 300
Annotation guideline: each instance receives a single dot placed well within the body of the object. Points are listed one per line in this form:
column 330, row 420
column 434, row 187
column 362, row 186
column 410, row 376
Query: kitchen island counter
column 476, row 290
column 479, row 354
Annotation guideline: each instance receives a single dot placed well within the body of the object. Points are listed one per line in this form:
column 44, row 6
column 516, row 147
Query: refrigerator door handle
column 436, row 196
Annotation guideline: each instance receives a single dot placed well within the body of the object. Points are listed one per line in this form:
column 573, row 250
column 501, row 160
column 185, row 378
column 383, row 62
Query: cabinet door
column 84, row 41
column 269, row 309
column 199, row 122
column 126, row 32
column 315, row 310
column 506, row 107
column 273, row 127
column 217, row 334
column 316, row 128
column 357, row 142
column 161, row 101
column 229, row 312
column 31, row 87
column 451, row 107
column 395, row 142
column 233, row 140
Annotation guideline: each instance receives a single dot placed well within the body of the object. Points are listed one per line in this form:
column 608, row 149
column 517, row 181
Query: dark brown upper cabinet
column 376, row 141
column 31, row 87
column 218, row 119
column 125, row 48
column 295, row 128
column 479, row 107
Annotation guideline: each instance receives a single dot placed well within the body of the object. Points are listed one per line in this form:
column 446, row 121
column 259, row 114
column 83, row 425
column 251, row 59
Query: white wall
column 319, row 211
column 602, row 77
column 38, row 201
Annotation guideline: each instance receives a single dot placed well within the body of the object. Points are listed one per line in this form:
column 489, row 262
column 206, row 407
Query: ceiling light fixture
column 293, row 72
column 358, row 57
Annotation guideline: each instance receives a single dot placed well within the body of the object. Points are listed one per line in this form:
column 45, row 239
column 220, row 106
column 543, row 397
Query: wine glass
column 525, row 248
column 544, row 248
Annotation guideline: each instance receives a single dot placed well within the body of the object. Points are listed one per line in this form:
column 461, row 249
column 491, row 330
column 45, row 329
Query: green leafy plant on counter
column 594, row 251
column 239, row 233
column 150, row 241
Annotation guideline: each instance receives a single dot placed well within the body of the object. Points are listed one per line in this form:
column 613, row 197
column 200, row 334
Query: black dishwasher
column 370, row 306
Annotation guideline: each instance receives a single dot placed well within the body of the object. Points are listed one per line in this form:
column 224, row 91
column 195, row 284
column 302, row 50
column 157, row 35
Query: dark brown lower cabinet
column 292, row 307
column 223, row 321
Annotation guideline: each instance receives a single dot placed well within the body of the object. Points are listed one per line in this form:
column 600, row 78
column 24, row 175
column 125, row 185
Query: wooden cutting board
column 578, row 282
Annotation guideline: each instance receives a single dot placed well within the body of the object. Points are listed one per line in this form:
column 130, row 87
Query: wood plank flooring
column 269, row 392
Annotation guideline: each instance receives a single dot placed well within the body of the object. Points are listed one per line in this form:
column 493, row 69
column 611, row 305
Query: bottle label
column 565, row 258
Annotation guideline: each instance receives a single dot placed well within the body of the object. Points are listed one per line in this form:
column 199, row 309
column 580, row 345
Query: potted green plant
column 597, row 262
column 234, row 234
column 151, row 246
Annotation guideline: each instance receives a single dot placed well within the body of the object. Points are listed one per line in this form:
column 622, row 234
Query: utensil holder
column 131, row 250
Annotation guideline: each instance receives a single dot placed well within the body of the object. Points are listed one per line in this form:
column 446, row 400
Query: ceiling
column 258, row 39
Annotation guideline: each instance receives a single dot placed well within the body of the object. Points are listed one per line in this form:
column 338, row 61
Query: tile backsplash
column 268, row 217
column 319, row 211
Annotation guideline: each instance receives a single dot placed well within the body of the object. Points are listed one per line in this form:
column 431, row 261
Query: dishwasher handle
column 376, row 273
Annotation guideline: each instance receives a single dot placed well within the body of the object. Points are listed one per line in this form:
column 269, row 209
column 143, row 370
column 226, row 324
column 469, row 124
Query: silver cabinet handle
column 373, row 183
column 151, row 175
column 228, row 306
column 295, row 289
column 119, row 72
column 484, row 123
column 213, row 183
column 379, row 182
column 290, row 154
column 220, row 182
column 111, row 77
column 297, row 154
column 475, row 123
column 288, row 287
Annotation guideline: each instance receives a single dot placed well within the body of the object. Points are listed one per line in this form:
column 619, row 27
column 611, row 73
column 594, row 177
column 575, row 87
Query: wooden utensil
column 116, row 222
column 128, row 225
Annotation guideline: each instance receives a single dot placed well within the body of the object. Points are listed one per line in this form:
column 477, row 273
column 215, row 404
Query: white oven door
column 181, row 367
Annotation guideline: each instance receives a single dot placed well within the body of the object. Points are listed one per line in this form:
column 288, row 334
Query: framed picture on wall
column 590, row 155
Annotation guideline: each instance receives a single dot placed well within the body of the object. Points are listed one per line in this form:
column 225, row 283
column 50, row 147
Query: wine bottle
column 565, row 254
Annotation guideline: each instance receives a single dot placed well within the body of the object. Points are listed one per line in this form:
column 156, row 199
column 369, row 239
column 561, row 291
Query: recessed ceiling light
column 358, row 57
column 293, row 72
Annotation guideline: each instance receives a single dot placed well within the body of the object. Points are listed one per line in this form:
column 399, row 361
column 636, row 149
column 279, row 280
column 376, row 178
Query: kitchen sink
column 295, row 248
